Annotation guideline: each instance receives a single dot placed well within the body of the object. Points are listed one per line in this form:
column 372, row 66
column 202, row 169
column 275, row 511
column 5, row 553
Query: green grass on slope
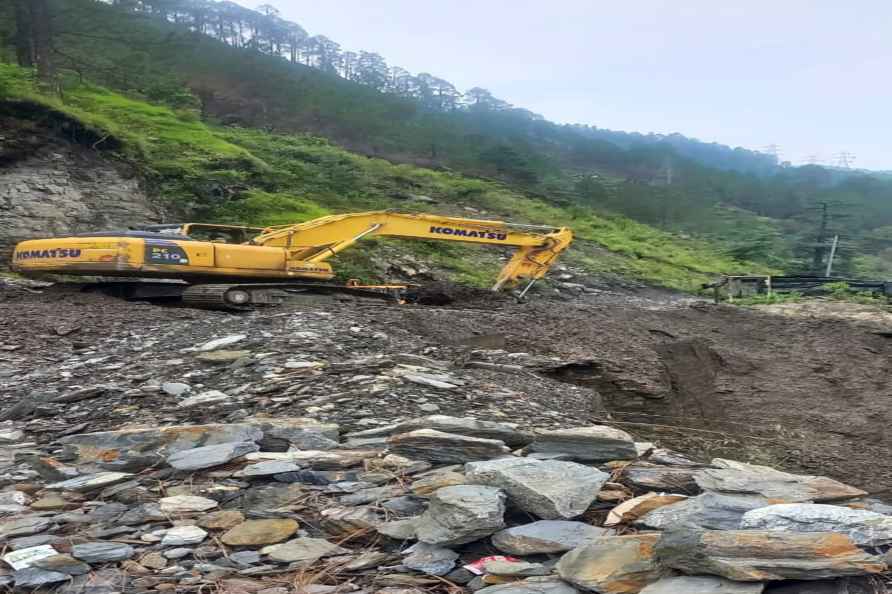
column 248, row 175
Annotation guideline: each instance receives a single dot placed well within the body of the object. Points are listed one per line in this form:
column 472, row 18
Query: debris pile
column 279, row 505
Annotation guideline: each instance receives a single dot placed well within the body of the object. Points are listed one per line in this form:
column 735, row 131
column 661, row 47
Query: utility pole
column 821, row 240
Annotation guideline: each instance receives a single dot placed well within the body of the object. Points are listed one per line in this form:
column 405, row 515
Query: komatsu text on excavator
column 233, row 266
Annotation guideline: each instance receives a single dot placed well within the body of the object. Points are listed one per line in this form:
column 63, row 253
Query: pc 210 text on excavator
column 238, row 266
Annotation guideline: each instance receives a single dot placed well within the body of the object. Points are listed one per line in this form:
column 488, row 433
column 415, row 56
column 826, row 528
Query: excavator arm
column 317, row 240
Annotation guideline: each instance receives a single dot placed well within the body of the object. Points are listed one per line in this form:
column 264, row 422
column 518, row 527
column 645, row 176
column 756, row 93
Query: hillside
column 252, row 69
column 246, row 175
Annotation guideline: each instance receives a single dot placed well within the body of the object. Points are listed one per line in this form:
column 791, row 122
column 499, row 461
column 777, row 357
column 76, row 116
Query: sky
column 811, row 76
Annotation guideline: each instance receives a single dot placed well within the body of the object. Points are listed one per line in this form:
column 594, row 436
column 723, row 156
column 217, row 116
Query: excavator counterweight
column 214, row 255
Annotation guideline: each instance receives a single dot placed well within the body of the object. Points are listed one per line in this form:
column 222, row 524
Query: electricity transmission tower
column 844, row 159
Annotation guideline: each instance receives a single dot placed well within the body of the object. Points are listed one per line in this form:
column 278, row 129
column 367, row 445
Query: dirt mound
column 446, row 293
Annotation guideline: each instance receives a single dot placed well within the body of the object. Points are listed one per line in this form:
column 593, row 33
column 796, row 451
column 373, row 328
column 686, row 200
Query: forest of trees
column 238, row 66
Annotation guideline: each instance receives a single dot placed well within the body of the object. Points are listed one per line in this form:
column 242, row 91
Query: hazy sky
column 811, row 76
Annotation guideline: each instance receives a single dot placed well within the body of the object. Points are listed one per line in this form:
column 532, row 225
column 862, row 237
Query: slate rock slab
column 549, row 489
column 733, row 477
column 461, row 514
column 535, row 585
column 545, row 537
column 597, row 443
column 101, row 552
column 613, row 564
column 644, row 477
column 446, row 448
column 210, row 456
column 302, row 549
column 712, row 511
column 702, row 584
column 91, row 482
column 504, row 432
column 260, row 532
column 757, row 556
column 430, row 559
column 34, row 577
column 865, row 528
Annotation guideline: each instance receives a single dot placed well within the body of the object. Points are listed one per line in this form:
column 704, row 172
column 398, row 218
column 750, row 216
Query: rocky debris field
column 333, row 446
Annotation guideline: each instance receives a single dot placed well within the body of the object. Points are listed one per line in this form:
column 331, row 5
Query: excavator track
column 247, row 296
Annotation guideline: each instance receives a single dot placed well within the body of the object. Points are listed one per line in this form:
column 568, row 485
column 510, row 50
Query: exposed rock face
column 756, row 556
column 49, row 186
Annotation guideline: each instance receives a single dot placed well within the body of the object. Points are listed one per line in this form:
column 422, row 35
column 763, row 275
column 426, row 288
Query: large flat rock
column 865, row 528
column 702, row 584
column 712, row 511
column 613, row 564
column 461, row 514
column 545, row 536
column 446, row 448
column 597, row 443
column 757, row 556
column 549, row 489
column 749, row 479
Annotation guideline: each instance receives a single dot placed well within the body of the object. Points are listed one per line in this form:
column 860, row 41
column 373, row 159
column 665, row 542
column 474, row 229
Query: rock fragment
column 183, row 535
column 260, row 532
column 101, row 552
column 302, row 549
column 34, row 577
column 531, row 586
column 210, row 456
column 91, row 482
column 461, row 514
column 549, row 489
column 185, row 504
column 597, row 443
column 644, row 477
column 613, row 564
column 702, row 584
column 24, row 527
column 545, row 537
column 447, row 448
column 63, row 564
column 865, row 528
column 430, row 559
column 712, row 511
column 756, row 556
column 733, row 477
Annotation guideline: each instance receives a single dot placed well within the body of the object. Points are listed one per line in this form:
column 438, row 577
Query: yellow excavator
column 236, row 266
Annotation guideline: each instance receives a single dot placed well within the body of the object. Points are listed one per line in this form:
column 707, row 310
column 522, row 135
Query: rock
column 222, row 356
column 349, row 521
column 644, row 477
column 34, row 577
column 467, row 426
column 549, row 489
column 115, row 445
column 219, row 343
column 91, row 482
column 101, row 552
column 429, row 407
column 302, row 549
column 51, row 470
column 245, row 557
column 267, row 468
column 259, row 532
column 177, row 553
column 702, row 584
column 399, row 529
column 865, row 528
column 428, row 484
column 531, row 586
column 598, row 443
column 430, row 559
column 204, row 399
column 154, row 561
column 318, row 460
column 447, row 448
column 462, row 514
column 405, row 506
column 846, row 585
column 297, row 432
column 613, row 564
column 631, row 510
column 755, row 556
column 179, row 504
column 24, row 527
column 545, row 537
column 27, row 557
column 49, row 502
column 709, row 510
column 63, row 564
column 442, row 382
column 210, row 456
column 739, row 478
column 183, row 535
column 502, row 567
column 221, row 520
column 175, row 388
